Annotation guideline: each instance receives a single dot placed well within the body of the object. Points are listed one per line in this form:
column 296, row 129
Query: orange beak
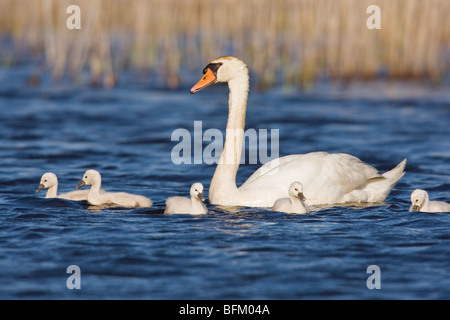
column 208, row 79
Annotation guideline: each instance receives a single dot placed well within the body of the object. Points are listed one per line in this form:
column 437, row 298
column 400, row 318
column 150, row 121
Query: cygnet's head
column 222, row 69
column 48, row 180
column 90, row 177
column 418, row 198
column 197, row 191
column 296, row 190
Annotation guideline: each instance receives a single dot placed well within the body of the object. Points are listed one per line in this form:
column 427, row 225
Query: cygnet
column 121, row 199
column 421, row 202
column 295, row 202
column 194, row 205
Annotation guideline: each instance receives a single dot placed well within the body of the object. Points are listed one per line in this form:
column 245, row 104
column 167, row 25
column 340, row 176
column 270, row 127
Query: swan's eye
column 85, row 177
column 213, row 67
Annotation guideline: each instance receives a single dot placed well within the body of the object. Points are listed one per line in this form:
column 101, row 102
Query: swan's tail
column 380, row 189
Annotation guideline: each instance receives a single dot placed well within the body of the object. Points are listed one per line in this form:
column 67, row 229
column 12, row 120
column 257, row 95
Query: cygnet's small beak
column 207, row 80
column 414, row 208
column 81, row 184
column 301, row 196
column 200, row 196
column 40, row 188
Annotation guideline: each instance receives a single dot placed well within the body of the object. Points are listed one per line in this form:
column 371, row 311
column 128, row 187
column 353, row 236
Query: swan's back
column 194, row 205
column 289, row 205
column 183, row 205
column 439, row 206
column 129, row 200
column 178, row 205
column 77, row 195
column 121, row 199
column 326, row 177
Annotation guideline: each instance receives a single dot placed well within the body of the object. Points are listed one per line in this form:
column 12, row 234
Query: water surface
column 231, row 253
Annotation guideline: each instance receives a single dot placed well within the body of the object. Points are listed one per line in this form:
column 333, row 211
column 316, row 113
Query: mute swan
column 293, row 204
column 421, row 202
column 327, row 178
column 121, row 199
column 194, row 205
column 50, row 181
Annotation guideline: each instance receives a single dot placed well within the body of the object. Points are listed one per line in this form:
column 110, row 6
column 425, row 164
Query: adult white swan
column 327, row 178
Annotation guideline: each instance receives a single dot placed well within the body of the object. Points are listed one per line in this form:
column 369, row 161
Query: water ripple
column 232, row 253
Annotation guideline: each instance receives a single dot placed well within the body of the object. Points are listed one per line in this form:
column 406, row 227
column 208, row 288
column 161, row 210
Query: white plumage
column 49, row 181
column 121, row 199
column 194, row 205
column 293, row 204
column 327, row 178
column 421, row 202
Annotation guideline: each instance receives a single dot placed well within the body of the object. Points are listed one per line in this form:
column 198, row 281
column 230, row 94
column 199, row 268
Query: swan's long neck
column 426, row 203
column 52, row 192
column 224, row 180
column 95, row 187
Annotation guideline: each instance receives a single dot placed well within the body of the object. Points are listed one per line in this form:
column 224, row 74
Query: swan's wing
column 178, row 205
column 326, row 178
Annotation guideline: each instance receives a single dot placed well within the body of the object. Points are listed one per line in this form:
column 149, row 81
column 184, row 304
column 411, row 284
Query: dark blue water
column 236, row 253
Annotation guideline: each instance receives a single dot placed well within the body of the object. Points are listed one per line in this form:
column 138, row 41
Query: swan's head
column 418, row 198
column 197, row 191
column 222, row 69
column 48, row 180
column 296, row 190
column 90, row 177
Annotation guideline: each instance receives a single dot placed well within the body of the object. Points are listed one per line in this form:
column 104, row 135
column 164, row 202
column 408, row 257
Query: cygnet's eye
column 85, row 177
column 196, row 190
column 417, row 200
column 45, row 180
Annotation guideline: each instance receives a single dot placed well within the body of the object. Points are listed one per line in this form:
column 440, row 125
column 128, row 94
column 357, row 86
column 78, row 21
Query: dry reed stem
column 293, row 41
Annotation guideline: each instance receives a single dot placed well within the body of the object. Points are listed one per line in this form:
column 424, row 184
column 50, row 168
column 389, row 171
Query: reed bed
column 289, row 41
